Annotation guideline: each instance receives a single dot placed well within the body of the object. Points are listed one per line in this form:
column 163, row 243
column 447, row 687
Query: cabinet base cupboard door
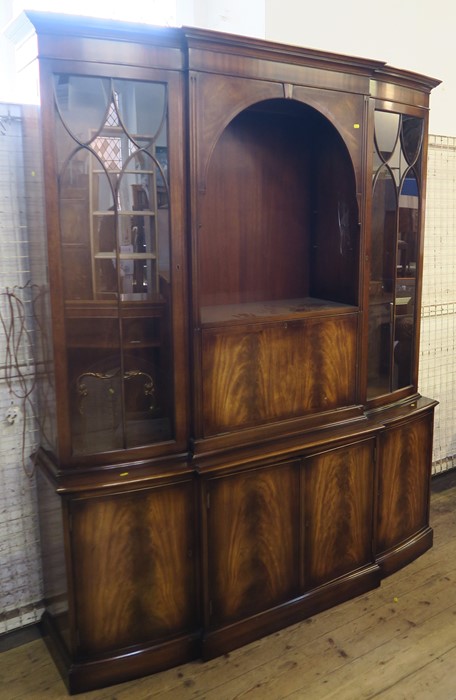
column 284, row 541
column 338, row 512
column 132, row 581
column 404, row 492
column 230, row 275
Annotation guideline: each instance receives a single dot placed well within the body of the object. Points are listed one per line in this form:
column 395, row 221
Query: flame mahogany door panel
column 338, row 511
column 262, row 373
column 404, row 486
column 252, row 541
column 134, row 566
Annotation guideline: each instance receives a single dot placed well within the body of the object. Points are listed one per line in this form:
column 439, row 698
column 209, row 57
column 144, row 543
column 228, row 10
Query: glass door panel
column 393, row 270
column 75, row 226
column 408, row 226
column 95, row 379
column 82, row 103
column 405, row 283
column 386, row 134
column 381, row 287
column 114, row 217
column 142, row 110
column 411, row 137
column 138, row 227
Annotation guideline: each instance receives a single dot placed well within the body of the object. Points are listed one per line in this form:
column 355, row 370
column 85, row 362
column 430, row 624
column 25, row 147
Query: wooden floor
column 397, row 643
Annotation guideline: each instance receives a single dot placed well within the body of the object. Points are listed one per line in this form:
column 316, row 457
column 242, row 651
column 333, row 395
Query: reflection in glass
column 395, row 227
column 82, row 103
column 114, row 213
column 386, row 133
column 408, row 227
column 404, row 334
column 384, row 215
column 405, row 287
column 397, row 163
column 411, row 137
column 377, row 161
column 381, row 295
column 75, row 226
column 95, row 389
column 141, row 108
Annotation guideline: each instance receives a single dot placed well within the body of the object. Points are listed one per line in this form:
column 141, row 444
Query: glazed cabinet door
column 133, row 557
column 338, row 511
column 252, row 530
column 405, row 460
column 396, row 249
column 116, row 252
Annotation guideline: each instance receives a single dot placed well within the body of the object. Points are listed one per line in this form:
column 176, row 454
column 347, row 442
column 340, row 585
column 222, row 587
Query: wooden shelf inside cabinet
column 277, row 310
column 138, row 319
column 111, row 308
column 100, row 344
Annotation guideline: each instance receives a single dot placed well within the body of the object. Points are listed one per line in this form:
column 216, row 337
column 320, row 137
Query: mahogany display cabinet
column 233, row 435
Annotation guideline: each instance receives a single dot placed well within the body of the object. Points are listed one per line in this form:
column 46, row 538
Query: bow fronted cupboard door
column 405, row 455
column 232, row 434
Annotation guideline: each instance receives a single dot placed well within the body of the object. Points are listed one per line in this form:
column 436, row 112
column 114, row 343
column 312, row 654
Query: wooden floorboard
column 397, row 642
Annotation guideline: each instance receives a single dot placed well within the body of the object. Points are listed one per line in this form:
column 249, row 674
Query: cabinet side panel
column 55, row 581
column 404, row 480
column 133, row 562
column 266, row 373
column 38, row 252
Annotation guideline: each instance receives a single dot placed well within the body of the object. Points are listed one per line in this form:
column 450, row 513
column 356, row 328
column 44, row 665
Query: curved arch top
column 214, row 107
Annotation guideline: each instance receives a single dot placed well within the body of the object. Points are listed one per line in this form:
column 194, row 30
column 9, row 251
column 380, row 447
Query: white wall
column 246, row 17
column 6, row 54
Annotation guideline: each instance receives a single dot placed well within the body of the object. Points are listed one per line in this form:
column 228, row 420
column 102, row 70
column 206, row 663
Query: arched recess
column 278, row 218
